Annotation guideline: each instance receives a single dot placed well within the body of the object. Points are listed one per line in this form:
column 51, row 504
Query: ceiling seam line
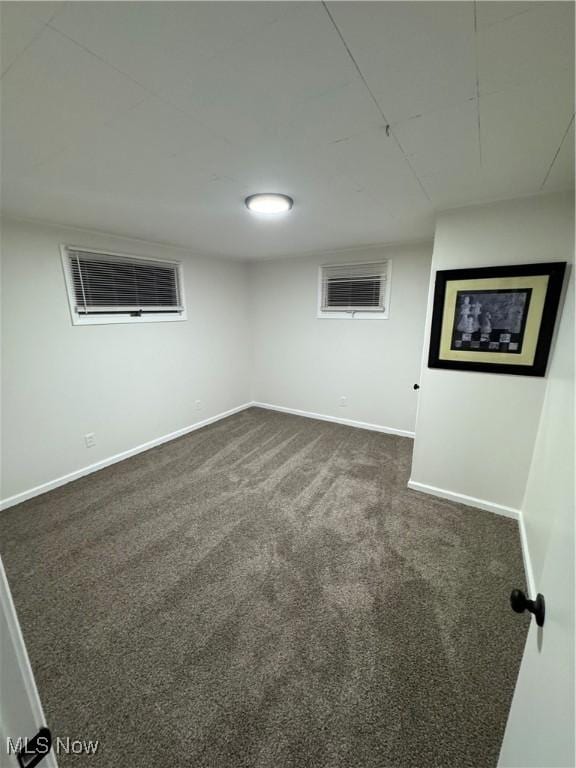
column 104, row 61
column 77, row 144
column 32, row 41
column 477, row 83
column 562, row 140
column 512, row 16
column 389, row 130
column 357, row 67
column 145, row 88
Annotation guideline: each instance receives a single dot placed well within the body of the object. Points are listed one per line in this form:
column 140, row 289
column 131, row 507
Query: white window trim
column 103, row 319
column 355, row 314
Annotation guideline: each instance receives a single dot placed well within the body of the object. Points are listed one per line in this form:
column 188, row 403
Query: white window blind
column 354, row 287
column 110, row 284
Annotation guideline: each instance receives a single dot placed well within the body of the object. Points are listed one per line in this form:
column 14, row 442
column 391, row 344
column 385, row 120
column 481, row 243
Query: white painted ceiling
column 156, row 119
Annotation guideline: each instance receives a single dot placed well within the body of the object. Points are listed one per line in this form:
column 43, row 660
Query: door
column 21, row 714
column 541, row 723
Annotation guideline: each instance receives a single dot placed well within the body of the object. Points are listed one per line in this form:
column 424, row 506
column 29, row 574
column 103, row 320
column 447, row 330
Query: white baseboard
column 470, row 501
column 336, row 420
column 51, row 484
column 529, row 571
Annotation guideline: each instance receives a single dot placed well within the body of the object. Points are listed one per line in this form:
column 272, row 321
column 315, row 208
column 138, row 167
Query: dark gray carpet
column 266, row 592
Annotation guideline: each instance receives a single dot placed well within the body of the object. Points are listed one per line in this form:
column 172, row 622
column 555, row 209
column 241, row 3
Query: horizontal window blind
column 110, row 284
column 354, row 287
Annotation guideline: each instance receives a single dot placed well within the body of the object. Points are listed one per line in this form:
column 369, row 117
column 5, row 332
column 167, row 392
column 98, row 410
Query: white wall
column 307, row 363
column 550, row 488
column 475, row 432
column 129, row 383
column 541, row 726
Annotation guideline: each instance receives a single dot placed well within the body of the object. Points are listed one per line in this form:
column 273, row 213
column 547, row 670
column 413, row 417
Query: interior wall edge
column 496, row 201
column 336, row 420
column 348, row 250
column 528, row 567
column 13, row 646
column 18, row 498
column 469, row 501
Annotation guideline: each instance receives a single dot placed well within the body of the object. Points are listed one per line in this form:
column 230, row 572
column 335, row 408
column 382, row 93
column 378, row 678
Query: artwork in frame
column 495, row 319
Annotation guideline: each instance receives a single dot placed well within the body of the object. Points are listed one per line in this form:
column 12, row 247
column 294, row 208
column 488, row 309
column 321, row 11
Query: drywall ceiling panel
column 527, row 48
column 241, row 66
column 521, row 131
column 149, row 150
column 163, row 43
column 522, row 128
column 478, row 186
column 20, row 24
column 493, row 11
column 374, row 164
column 445, row 141
column 334, row 115
column 561, row 175
column 254, row 86
column 165, row 163
column 52, row 95
column 416, row 57
column 155, row 120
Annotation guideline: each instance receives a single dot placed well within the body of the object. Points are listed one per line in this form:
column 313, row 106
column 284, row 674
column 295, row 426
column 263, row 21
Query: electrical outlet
column 343, row 401
column 90, row 440
column 198, row 404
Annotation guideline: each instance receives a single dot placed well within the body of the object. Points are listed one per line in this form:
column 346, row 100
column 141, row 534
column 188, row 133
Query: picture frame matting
column 495, row 319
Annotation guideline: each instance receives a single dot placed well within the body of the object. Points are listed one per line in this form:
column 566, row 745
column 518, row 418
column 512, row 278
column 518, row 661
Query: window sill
column 352, row 315
column 117, row 319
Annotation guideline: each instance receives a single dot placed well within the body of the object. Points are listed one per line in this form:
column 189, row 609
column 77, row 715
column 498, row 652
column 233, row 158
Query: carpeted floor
column 266, row 592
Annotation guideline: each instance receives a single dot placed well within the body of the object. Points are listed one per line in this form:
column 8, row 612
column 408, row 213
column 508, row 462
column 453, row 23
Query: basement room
column 287, row 384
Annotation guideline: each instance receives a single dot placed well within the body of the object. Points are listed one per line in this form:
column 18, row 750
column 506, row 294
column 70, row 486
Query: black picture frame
column 555, row 272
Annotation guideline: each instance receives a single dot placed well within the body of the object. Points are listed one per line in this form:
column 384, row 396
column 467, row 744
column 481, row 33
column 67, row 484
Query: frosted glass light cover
column 269, row 202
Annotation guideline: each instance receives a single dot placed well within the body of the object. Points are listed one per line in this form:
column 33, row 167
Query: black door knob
column 520, row 603
column 416, row 386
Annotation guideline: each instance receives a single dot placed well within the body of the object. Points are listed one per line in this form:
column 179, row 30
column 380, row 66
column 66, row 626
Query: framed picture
column 495, row 319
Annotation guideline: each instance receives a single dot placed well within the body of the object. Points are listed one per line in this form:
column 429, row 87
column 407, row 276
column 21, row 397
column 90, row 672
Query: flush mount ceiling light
column 269, row 202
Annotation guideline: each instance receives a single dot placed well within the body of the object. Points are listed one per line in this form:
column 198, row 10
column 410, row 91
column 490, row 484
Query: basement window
column 106, row 287
column 354, row 291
